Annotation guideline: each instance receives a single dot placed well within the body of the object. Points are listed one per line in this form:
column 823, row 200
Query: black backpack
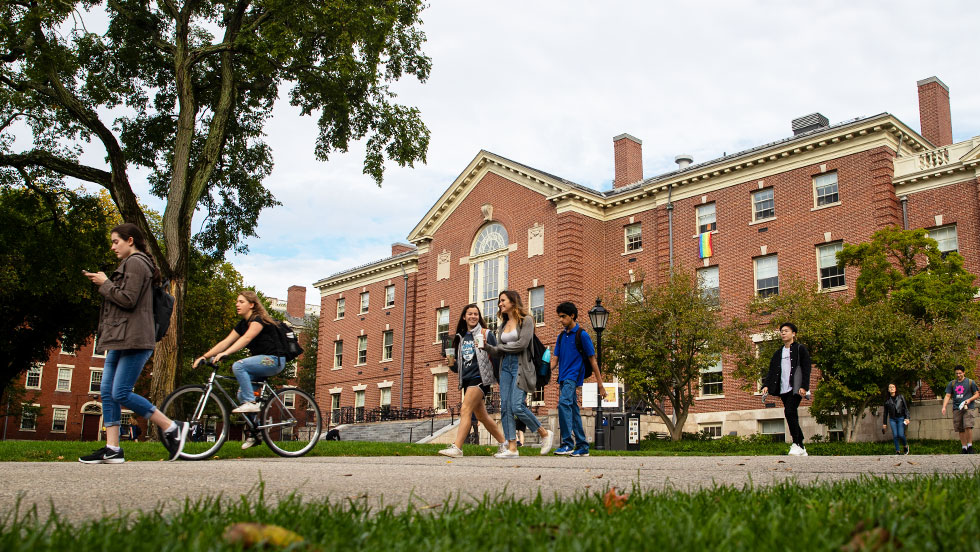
column 288, row 342
column 163, row 305
column 542, row 366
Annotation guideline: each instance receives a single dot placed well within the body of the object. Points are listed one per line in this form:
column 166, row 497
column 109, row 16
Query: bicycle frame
column 213, row 382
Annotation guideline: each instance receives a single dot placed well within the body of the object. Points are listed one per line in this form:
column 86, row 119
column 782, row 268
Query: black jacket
column 895, row 407
column 799, row 374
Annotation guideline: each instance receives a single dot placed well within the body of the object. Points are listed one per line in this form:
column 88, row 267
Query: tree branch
column 47, row 160
column 142, row 23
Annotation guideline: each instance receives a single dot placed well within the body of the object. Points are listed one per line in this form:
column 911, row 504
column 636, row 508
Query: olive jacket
column 126, row 318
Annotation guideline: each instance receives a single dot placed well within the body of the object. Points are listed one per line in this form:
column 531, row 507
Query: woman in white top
column 517, row 371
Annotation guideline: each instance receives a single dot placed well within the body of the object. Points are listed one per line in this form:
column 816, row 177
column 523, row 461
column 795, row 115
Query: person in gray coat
column 127, row 335
column 517, row 371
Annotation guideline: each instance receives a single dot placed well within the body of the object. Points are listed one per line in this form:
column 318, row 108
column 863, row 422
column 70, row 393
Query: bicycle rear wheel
column 208, row 420
column 291, row 420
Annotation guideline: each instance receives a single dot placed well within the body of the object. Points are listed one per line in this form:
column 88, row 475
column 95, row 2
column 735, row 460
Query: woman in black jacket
column 896, row 416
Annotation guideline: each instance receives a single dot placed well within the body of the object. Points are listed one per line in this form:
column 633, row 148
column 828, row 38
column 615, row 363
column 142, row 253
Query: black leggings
column 791, row 401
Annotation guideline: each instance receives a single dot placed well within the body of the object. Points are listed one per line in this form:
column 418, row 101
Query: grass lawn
column 925, row 513
column 69, row 451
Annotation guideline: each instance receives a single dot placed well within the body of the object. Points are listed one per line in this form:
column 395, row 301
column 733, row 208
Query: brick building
column 772, row 211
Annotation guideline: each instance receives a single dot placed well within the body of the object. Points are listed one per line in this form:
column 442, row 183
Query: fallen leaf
column 781, row 462
column 61, row 458
column 538, row 478
column 348, row 475
column 912, row 463
column 741, row 464
column 431, row 506
column 899, row 464
column 250, row 535
column 874, row 539
column 613, row 501
column 588, row 486
column 597, row 476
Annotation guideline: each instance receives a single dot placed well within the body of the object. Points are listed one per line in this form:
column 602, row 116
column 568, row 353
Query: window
column 289, row 371
column 835, row 429
column 763, row 205
column 634, row 237
column 361, row 349
column 713, row 430
column 338, row 354
column 365, row 299
column 712, row 380
column 59, row 420
column 95, row 381
column 335, row 407
column 831, row 275
column 33, row 380
column 289, row 400
column 64, row 379
column 710, row 288
column 388, row 340
column 340, row 308
column 126, row 418
column 537, row 304
column 488, row 275
column 389, row 296
column 442, row 324
column 826, row 189
column 945, row 236
column 706, row 218
column 385, row 397
column 766, row 276
column 634, row 292
column 774, row 428
column 94, row 347
column 359, row 405
column 537, row 398
column 441, row 391
column 28, row 418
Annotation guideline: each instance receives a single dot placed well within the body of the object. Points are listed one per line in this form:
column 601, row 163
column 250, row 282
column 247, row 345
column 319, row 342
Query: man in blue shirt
column 569, row 357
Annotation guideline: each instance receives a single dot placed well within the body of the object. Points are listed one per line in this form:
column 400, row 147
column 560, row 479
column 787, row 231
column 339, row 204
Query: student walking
column 897, row 416
column 260, row 333
column 127, row 335
column 574, row 355
column 789, row 374
column 517, row 371
column 475, row 377
column 964, row 393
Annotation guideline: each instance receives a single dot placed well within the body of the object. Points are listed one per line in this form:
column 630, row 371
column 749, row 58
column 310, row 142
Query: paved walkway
column 80, row 491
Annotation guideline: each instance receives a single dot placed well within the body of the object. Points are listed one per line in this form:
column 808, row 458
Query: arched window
column 488, row 272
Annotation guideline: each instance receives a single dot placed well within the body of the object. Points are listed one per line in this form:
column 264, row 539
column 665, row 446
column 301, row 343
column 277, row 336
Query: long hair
column 514, row 298
column 258, row 309
column 462, row 328
column 128, row 230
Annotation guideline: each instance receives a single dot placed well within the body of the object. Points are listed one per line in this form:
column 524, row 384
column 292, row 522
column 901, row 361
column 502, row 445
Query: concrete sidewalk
column 79, row 491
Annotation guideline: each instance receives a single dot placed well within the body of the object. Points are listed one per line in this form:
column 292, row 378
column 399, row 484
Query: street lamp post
column 598, row 315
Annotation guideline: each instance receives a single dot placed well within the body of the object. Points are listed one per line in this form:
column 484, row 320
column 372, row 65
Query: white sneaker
column 546, row 442
column 249, row 443
column 506, row 453
column 247, row 408
column 501, row 447
column 452, row 451
column 804, row 451
column 795, row 450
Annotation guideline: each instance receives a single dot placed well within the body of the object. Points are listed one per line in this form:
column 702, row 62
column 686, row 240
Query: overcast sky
column 549, row 84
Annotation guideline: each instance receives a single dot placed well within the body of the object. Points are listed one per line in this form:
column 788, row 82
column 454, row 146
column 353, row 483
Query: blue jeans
column 512, row 400
column 569, row 418
column 121, row 370
column 255, row 367
column 898, row 431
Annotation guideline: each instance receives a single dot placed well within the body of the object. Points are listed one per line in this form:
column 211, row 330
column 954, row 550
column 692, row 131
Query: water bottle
column 547, row 354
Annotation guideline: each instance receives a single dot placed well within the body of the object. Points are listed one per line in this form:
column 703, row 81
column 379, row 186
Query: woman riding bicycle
column 258, row 331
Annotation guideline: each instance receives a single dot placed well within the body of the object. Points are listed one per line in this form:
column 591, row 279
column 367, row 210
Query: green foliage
column 48, row 235
column 660, row 339
column 306, row 365
column 212, row 288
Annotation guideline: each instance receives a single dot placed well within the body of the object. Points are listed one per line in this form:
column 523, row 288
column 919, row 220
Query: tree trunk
column 677, row 432
column 167, row 354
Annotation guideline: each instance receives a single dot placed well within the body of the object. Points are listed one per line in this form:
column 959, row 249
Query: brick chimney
column 296, row 301
column 934, row 119
column 398, row 248
column 629, row 160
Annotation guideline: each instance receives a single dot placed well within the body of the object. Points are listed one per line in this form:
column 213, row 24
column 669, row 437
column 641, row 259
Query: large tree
column 661, row 339
column 183, row 89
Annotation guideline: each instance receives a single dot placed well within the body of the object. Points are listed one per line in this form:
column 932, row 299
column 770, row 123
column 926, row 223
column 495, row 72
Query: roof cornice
column 407, row 259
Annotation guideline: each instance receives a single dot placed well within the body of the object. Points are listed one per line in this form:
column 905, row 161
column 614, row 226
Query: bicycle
column 289, row 419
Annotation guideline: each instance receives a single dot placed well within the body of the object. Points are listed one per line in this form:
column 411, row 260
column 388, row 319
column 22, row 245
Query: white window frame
column 62, row 368
column 827, row 261
column 341, row 308
column 489, row 260
column 334, row 404
column 710, row 428
column 440, row 400
column 289, row 400
column 361, row 350
column 365, row 302
column 387, row 344
column 389, row 296
column 823, row 182
column 359, row 398
column 39, row 368
column 384, row 398
column 57, row 411
column 338, row 354
column 756, row 276
column 33, row 417
column 94, row 346
column 756, row 201
column 715, row 368
column 536, row 309
column 91, row 378
column 945, row 239
column 766, row 426
column 440, row 312
column 706, row 275
column 707, row 221
column 537, row 397
column 633, row 238
column 633, row 292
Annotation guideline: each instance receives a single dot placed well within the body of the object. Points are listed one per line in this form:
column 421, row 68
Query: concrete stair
column 402, row 431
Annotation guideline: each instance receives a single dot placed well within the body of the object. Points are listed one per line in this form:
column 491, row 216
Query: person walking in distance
column 475, row 378
column 896, row 416
column 127, row 336
column 789, row 374
column 573, row 356
column 518, row 375
column 964, row 393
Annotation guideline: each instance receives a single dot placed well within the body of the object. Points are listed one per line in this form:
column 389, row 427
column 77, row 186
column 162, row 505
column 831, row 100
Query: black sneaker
column 969, row 449
column 907, row 450
column 174, row 440
column 104, row 455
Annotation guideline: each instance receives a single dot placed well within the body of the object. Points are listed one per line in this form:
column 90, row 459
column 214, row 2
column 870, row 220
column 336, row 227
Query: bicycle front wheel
column 206, row 416
column 291, row 422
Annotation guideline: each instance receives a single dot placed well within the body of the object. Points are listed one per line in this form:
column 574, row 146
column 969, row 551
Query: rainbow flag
column 704, row 245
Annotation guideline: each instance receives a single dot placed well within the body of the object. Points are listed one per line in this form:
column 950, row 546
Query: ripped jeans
column 253, row 367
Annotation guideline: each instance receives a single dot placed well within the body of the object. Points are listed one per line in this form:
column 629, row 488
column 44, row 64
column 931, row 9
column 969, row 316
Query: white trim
column 40, row 376
column 385, row 384
column 335, row 390
column 360, row 387
column 440, row 369
column 71, row 371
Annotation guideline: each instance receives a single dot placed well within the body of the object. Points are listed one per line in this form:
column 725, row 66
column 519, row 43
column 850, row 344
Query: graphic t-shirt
column 960, row 391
